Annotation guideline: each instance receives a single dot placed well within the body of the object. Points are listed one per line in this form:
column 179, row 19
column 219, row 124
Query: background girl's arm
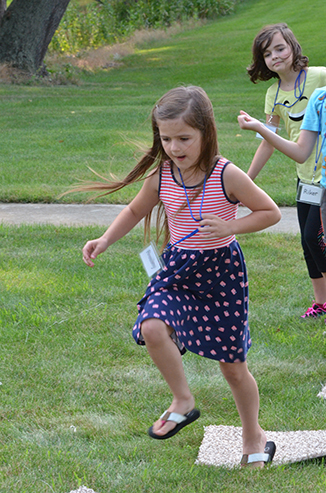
column 238, row 186
column 264, row 151
column 138, row 208
column 298, row 151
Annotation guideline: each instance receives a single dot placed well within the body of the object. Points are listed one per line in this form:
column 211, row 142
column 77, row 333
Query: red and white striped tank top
column 216, row 202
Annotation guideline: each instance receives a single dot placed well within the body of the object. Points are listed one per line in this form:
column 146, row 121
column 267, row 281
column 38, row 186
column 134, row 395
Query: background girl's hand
column 246, row 122
column 213, row 226
column 92, row 249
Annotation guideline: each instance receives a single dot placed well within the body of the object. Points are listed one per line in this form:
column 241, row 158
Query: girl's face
column 278, row 56
column 181, row 142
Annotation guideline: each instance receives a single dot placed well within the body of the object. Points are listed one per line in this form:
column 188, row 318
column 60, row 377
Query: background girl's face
column 278, row 55
column 181, row 142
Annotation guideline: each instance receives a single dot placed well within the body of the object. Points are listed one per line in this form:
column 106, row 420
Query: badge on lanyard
column 309, row 193
column 152, row 261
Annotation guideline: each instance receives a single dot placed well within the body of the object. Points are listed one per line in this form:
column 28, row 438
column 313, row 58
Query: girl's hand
column 92, row 249
column 213, row 226
column 246, row 122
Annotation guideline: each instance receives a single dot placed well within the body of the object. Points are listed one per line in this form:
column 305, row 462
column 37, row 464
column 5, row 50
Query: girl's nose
column 174, row 145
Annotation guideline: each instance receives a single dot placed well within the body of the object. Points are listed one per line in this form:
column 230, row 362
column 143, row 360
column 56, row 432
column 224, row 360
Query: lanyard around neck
column 188, row 202
column 298, row 92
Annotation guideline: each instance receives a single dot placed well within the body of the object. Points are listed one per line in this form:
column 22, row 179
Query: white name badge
column 270, row 127
column 309, row 193
column 152, row 261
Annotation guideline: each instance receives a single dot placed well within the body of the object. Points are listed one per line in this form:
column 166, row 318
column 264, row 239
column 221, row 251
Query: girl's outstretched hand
column 92, row 249
column 246, row 122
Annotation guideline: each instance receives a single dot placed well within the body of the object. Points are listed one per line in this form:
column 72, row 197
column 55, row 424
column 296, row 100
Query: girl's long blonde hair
column 190, row 103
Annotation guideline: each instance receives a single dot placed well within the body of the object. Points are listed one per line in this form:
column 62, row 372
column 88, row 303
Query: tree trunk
column 26, row 30
column 3, row 6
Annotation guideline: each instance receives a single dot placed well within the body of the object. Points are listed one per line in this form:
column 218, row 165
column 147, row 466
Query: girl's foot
column 254, row 445
column 315, row 310
column 162, row 427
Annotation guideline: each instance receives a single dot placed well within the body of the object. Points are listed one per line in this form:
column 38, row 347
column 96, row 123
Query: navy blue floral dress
column 203, row 295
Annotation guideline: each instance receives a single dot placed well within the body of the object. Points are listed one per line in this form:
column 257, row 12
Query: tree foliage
column 91, row 23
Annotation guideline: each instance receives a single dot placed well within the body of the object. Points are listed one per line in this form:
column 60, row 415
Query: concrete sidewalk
column 103, row 215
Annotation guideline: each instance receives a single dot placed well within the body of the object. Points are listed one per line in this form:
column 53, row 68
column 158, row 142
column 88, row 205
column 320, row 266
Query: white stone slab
column 222, row 446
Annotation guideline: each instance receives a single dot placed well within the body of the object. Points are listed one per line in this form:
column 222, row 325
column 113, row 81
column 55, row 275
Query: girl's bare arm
column 298, row 151
column 138, row 208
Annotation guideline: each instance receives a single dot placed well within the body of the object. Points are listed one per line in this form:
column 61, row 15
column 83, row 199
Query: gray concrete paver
column 103, row 215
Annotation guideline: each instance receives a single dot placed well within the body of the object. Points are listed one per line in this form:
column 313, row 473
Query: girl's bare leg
column 167, row 358
column 319, row 287
column 246, row 396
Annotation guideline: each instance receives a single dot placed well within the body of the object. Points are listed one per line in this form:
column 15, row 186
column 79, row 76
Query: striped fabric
column 215, row 202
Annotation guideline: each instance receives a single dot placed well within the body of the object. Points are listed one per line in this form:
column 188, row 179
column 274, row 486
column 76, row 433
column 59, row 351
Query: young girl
column 199, row 301
column 277, row 54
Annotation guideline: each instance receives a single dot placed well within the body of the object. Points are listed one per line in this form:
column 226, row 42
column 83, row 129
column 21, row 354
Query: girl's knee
column 153, row 330
column 234, row 373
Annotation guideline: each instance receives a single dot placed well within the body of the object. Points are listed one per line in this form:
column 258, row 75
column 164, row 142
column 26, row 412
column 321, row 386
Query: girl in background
column 277, row 54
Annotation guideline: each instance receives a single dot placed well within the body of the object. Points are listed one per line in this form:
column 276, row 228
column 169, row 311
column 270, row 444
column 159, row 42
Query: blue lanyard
column 188, row 202
column 202, row 199
column 297, row 91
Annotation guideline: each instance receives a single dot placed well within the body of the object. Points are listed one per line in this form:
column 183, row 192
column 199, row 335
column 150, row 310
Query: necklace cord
column 188, row 202
column 298, row 92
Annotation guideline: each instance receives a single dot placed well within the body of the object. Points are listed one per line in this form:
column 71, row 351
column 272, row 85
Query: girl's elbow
column 302, row 159
column 302, row 154
column 277, row 216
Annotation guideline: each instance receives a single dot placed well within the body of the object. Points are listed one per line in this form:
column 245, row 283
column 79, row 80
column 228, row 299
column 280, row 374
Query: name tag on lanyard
column 152, row 261
column 309, row 193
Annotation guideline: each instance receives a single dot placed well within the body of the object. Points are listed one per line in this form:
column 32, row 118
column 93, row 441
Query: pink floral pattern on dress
column 210, row 316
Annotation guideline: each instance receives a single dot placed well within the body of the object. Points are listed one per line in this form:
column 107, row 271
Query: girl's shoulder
column 221, row 161
column 318, row 96
column 316, row 76
column 219, row 165
column 311, row 71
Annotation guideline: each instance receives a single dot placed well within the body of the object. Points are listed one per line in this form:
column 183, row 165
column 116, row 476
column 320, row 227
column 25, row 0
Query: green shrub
column 96, row 24
column 89, row 26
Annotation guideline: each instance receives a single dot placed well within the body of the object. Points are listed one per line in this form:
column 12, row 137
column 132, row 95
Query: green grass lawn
column 51, row 134
column 78, row 394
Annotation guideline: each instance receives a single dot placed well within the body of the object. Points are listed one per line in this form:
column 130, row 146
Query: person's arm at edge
column 298, row 151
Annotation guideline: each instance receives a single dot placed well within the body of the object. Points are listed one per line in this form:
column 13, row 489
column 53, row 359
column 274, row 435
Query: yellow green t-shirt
column 293, row 116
